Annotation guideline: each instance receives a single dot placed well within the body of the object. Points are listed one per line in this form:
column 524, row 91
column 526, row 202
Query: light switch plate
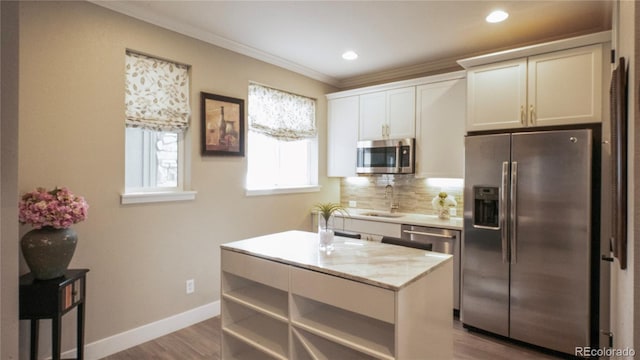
column 353, row 203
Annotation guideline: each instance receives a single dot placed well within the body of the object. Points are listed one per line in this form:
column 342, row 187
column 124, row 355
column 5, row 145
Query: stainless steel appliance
column 442, row 240
column 531, row 237
column 386, row 156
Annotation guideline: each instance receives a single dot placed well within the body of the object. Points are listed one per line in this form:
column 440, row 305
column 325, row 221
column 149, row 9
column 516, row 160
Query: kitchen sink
column 382, row 214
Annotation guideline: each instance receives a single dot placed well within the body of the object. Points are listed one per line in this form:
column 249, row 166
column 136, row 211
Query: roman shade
column 156, row 94
column 281, row 115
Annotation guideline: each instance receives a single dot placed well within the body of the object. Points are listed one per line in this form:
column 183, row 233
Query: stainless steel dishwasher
column 443, row 240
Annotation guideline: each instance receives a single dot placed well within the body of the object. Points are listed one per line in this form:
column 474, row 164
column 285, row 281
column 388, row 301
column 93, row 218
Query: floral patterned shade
column 280, row 114
column 156, row 94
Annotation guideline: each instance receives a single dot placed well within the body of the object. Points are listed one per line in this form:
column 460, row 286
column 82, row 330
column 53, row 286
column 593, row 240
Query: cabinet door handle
column 532, row 115
column 383, row 130
column 522, row 115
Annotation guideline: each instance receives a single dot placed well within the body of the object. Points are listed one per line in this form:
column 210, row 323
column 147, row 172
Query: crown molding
column 567, row 43
column 449, row 64
column 134, row 10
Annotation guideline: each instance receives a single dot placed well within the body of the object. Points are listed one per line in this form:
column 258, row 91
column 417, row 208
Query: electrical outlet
column 352, row 203
column 191, row 286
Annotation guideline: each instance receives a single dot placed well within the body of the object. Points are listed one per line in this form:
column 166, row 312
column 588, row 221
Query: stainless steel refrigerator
column 529, row 224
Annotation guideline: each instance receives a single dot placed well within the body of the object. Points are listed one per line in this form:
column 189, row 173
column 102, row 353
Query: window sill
column 153, row 197
column 283, row 190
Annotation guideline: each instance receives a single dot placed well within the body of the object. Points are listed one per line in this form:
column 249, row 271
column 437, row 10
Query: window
column 282, row 151
column 157, row 116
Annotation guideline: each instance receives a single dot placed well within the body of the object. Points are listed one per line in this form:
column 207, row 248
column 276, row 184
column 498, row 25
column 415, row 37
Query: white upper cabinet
column 565, row 87
column 373, row 115
column 401, row 113
column 497, row 95
column 556, row 88
column 388, row 114
column 342, row 136
column 440, row 127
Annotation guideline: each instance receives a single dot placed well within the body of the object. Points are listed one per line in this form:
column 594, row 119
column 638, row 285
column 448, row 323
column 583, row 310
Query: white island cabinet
column 282, row 298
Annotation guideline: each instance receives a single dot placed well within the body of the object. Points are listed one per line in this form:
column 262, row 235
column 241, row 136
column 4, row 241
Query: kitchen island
column 283, row 298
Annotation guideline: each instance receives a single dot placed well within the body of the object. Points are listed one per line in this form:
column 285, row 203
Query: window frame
column 312, row 158
column 312, row 167
column 137, row 195
column 149, row 194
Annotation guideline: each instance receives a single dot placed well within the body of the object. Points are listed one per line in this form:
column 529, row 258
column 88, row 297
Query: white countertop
column 454, row 223
column 388, row 266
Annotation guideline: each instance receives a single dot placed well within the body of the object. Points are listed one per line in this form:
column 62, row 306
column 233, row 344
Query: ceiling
column 394, row 39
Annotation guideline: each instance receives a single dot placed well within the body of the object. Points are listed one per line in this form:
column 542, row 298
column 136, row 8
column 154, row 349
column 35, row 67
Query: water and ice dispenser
column 486, row 207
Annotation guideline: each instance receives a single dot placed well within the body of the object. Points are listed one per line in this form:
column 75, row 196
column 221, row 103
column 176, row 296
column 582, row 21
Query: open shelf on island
column 318, row 348
column 262, row 332
column 262, row 298
column 364, row 334
column 236, row 349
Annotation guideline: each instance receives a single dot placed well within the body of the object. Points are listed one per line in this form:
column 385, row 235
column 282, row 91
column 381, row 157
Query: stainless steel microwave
column 386, row 156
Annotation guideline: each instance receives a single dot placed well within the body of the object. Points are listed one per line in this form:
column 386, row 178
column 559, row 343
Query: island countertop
column 387, row 266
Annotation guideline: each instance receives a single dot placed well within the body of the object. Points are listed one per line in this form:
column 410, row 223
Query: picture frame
column 222, row 125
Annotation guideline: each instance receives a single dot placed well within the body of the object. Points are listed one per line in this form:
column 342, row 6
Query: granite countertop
column 454, row 223
column 387, row 266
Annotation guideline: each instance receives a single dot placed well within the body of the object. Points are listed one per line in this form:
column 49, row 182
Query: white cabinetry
column 554, row 88
column 342, row 136
column 565, row 87
column 388, row 114
column 370, row 230
column 440, row 128
column 273, row 310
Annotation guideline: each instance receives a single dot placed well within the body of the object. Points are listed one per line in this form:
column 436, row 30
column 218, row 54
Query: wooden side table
column 50, row 299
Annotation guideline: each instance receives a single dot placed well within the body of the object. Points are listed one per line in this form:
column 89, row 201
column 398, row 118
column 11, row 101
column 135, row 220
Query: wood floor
column 202, row 341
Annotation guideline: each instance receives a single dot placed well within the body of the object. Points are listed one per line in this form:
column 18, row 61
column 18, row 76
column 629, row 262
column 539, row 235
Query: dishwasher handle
column 413, row 232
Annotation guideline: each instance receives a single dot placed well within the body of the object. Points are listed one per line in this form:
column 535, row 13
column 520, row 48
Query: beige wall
column 72, row 134
column 9, row 189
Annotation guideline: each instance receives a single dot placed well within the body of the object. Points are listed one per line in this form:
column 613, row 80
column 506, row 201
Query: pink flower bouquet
column 58, row 208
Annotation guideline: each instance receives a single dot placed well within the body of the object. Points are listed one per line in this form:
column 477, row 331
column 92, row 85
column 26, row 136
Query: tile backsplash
column 413, row 195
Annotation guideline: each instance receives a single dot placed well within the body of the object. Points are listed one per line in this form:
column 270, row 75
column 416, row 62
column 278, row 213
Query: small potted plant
column 325, row 212
column 442, row 205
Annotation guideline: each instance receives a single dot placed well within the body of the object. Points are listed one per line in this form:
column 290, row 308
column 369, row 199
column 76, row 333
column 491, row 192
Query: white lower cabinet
column 375, row 230
column 322, row 316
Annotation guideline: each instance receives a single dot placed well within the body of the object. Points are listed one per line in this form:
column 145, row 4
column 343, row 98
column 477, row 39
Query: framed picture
column 222, row 125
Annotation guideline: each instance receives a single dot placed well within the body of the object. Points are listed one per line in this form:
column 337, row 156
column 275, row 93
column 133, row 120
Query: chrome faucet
column 388, row 194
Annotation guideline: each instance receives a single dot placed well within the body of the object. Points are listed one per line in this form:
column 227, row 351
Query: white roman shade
column 156, row 94
column 280, row 114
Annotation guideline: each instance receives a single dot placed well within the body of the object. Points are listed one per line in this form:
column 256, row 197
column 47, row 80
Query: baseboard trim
column 130, row 338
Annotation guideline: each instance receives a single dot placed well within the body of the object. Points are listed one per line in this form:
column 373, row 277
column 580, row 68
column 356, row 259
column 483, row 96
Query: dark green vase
column 48, row 251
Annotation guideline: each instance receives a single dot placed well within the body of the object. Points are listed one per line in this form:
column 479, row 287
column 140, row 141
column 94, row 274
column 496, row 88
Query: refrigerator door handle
column 398, row 164
column 502, row 212
column 513, row 212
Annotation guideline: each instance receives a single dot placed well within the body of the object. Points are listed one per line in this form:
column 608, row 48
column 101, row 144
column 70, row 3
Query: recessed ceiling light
column 350, row 55
column 497, row 16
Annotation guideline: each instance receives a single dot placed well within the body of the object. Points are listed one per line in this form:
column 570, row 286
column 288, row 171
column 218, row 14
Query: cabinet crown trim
column 398, row 84
column 590, row 39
